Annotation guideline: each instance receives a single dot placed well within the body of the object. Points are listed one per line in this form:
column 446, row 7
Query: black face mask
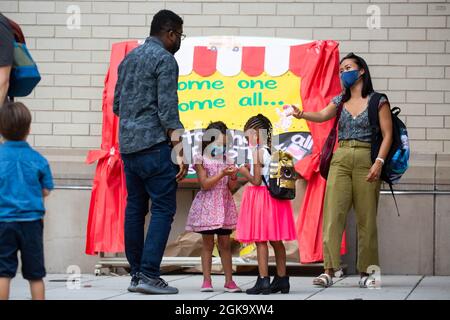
column 175, row 46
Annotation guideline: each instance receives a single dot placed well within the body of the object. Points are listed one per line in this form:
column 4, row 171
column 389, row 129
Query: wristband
column 381, row 160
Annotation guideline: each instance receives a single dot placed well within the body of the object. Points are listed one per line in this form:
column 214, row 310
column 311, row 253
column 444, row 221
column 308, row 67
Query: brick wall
column 409, row 56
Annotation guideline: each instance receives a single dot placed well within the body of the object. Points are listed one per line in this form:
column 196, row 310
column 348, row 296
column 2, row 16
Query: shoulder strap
column 264, row 180
column 374, row 101
column 373, row 108
column 16, row 30
column 268, row 149
column 339, row 108
column 262, row 176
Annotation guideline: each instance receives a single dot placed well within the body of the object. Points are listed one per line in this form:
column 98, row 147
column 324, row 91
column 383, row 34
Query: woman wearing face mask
column 353, row 180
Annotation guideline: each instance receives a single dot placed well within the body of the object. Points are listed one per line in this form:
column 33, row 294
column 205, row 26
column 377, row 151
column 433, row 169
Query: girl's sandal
column 324, row 280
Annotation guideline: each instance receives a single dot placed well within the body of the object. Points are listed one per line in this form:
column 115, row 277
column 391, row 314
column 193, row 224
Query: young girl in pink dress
column 213, row 210
column 263, row 218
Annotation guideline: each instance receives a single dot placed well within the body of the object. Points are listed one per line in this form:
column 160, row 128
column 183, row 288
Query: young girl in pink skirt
column 213, row 211
column 263, row 218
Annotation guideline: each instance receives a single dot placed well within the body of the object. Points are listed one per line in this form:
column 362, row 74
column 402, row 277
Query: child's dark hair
column 15, row 121
column 217, row 125
column 366, row 78
column 260, row 122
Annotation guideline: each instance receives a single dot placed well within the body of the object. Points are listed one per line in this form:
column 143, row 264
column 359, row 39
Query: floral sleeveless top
column 355, row 128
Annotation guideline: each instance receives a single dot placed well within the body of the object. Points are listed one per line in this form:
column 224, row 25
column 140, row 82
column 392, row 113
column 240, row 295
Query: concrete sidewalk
column 114, row 288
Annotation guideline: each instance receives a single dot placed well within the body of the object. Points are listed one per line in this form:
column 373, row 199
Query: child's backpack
column 397, row 160
column 282, row 176
column 24, row 72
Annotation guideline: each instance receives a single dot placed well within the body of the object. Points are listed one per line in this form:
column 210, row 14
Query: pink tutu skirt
column 264, row 218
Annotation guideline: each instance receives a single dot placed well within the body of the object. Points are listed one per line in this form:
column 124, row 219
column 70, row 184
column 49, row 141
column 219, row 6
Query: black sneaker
column 149, row 285
column 134, row 283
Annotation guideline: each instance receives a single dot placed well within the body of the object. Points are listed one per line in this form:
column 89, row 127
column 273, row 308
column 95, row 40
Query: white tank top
column 266, row 164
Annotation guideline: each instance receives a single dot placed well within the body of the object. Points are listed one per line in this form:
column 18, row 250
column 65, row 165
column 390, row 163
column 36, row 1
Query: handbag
column 328, row 148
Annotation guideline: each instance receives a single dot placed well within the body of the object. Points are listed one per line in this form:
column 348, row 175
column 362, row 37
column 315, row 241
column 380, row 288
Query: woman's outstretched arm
column 323, row 115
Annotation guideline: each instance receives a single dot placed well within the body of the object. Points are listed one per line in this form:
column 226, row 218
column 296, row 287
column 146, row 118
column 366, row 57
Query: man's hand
column 177, row 145
column 183, row 169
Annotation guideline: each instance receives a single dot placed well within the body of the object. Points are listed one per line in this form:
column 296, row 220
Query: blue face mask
column 349, row 78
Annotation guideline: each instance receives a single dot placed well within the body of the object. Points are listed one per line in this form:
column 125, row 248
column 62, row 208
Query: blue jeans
column 150, row 175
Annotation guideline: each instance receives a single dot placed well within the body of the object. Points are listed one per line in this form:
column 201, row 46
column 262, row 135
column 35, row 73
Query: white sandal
column 339, row 273
column 367, row 282
column 324, row 280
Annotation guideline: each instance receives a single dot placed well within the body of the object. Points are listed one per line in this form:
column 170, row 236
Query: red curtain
column 317, row 63
column 105, row 229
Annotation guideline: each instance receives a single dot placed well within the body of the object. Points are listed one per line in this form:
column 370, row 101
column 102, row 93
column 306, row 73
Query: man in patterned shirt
column 146, row 102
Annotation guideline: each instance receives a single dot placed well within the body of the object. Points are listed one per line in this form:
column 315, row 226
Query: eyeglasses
column 181, row 35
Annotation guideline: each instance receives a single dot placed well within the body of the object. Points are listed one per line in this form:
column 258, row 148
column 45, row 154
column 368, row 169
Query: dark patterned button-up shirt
column 145, row 97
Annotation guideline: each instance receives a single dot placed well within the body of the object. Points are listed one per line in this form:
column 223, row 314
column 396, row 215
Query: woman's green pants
column 347, row 187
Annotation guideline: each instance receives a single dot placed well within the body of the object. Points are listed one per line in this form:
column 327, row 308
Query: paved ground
column 114, row 288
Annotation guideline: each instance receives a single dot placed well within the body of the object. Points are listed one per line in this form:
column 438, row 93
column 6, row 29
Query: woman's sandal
column 324, row 280
column 367, row 282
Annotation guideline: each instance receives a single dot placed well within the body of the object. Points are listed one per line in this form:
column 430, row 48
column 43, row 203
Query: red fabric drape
column 317, row 63
column 105, row 229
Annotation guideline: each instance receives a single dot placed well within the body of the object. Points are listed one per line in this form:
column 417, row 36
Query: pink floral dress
column 214, row 208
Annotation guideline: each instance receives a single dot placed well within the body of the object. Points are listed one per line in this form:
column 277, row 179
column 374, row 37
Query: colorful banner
column 233, row 79
column 234, row 100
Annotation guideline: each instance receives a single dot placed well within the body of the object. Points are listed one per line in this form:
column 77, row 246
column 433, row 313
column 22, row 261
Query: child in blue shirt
column 25, row 179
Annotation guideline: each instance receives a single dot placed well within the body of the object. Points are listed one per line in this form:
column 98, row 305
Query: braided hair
column 260, row 122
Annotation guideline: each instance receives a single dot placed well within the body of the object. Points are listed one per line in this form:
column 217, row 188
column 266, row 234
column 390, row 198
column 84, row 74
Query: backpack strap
column 374, row 121
column 262, row 176
column 373, row 110
column 393, row 196
column 264, row 180
column 268, row 149
column 16, row 30
column 374, row 102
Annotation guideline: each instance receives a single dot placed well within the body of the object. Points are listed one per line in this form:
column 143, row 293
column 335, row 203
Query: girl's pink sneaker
column 232, row 287
column 207, row 286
